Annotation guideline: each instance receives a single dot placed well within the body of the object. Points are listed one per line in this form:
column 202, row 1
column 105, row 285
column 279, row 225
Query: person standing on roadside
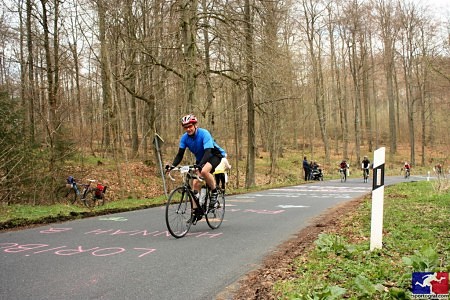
column 306, row 168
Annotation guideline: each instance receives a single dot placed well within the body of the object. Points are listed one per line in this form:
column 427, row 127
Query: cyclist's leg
column 209, row 178
column 217, row 178
column 207, row 171
column 221, row 182
column 197, row 211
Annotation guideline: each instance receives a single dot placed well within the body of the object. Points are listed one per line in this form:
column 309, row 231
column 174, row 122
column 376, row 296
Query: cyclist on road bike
column 438, row 169
column 365, row 165
column 208, row 155
column 344, row 167
column 407, row 166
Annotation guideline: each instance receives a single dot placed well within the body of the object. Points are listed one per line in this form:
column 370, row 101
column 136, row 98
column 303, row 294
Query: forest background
column 92, row 81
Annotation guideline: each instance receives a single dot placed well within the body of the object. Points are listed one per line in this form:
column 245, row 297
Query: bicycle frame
column 365, row 174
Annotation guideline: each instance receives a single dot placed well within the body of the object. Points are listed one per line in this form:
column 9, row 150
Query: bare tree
column 312, row 13
column 385, row 10
column 251, row 135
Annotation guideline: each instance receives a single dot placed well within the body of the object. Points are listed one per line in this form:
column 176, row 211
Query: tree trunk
column 105, row 76
column 251, row 134
column 189, row 32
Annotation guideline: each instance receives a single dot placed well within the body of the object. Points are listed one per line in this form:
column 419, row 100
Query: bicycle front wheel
column 66, row 194
column 179, row 212
column 215, row 216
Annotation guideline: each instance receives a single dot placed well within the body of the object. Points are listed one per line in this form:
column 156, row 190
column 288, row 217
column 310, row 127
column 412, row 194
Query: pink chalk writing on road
column 28, row 249
column 136, row 232
column 164, row 233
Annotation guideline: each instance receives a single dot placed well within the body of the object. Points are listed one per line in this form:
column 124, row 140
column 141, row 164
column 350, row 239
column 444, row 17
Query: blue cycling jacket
column 199, row 142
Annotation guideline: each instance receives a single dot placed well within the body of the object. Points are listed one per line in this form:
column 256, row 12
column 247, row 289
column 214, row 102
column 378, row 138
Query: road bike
column 343, row 173
column 407, row 173
column 180, row 204
column 366, row 174
column 82, row 192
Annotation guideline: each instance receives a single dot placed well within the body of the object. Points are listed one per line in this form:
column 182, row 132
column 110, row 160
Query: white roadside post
column 376, row 225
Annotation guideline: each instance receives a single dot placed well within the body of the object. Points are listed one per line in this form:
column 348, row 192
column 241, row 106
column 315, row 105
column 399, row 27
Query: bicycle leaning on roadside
column 181, row 202
column 83, row 192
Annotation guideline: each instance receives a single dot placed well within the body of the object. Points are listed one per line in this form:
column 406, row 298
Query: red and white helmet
column 189, row 119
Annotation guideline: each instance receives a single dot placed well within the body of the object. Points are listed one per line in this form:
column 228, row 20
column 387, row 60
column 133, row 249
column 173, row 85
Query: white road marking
column 292, row 206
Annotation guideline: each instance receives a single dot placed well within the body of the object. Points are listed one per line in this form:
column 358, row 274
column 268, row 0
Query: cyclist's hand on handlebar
column 169, row 168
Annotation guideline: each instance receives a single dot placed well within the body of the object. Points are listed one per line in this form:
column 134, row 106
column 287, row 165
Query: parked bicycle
column 180, row 204
column 88, row 196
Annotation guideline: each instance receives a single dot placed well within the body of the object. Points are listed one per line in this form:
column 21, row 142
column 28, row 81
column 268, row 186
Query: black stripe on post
column 378, row 177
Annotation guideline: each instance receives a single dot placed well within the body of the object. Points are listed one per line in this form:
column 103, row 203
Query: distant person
column 316, row 172
column 344, row 168
column 221, row 173
column 306, row 168
column 438, row 169
column 407, row 166
column 344, row 165
column 365, row 165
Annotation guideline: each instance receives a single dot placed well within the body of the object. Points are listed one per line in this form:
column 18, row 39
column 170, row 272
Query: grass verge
column 416, row 237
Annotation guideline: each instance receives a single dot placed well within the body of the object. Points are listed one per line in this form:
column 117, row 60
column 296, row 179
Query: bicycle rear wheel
column 89, row 198
column 66, row 194
column 100, row 201
column 214, row 217
column 179, row 212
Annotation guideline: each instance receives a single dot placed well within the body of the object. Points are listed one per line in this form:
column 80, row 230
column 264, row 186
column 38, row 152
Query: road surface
column 131, row 255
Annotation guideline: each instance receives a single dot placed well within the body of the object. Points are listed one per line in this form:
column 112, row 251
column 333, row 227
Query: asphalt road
column 132, row 256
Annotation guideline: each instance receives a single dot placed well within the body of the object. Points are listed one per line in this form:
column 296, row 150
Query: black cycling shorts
column 214, row 160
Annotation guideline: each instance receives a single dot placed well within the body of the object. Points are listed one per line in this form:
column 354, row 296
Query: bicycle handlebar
column 185, row 169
